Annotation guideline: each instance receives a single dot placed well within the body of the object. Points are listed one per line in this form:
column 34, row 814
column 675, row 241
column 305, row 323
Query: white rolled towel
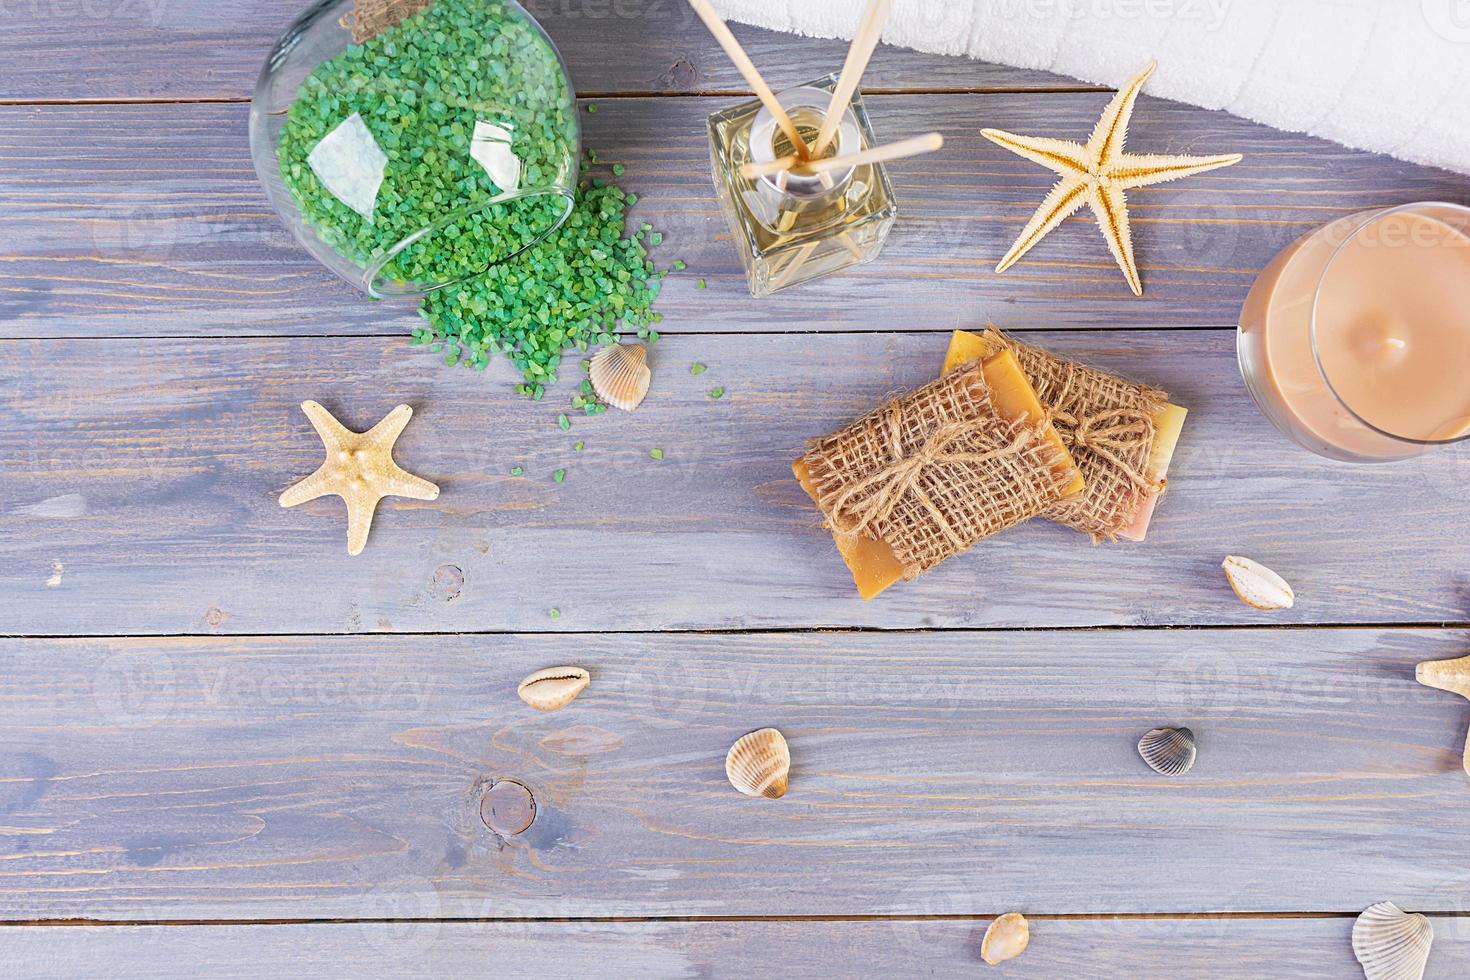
column 1390, row 76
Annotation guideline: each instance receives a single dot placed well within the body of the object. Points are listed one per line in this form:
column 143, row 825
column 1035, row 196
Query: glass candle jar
column 411, row 154
column 791, row 227
column 1355, row 340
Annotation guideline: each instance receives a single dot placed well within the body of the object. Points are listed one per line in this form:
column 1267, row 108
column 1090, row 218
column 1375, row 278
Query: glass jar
column 793, row 228
column 412, row 144
column 1355, row 340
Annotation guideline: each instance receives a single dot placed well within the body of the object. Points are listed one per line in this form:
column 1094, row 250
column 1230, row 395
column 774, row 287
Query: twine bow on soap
column 880, row 492
column 1110, row 433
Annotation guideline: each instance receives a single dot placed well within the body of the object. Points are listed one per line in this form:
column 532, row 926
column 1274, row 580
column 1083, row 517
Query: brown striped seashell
column 759, row 763
column 1006, row 938
column 1392, row 944
column 1169, row 751
column 554, row 687
column 619, row 374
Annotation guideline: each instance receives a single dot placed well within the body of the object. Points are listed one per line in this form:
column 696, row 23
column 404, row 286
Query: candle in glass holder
column 1355, row 340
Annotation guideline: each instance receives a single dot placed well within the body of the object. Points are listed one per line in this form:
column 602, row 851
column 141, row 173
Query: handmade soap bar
column 994, row 460
column 1122, row 434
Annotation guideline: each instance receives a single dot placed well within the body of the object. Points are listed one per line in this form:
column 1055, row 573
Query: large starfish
column 1097, row 175
column 359, row 469
column 1448, row 675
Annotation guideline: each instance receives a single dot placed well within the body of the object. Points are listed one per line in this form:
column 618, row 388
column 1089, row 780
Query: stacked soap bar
column 927, row 475
column 1121, row 433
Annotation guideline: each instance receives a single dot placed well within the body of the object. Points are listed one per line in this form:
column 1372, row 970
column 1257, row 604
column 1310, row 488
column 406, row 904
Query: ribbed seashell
column 554, row 687
column 619, row 374
column 1392, row 944
column 1005, row 939
column 1257, row 585
column 759, row 763
column 1168, row 750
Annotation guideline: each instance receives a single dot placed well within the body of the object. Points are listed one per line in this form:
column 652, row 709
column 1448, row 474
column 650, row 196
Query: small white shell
column 1392, row 944
column 620, row 375
column 1005, row 939
column 758, row 764
column 1256, row 584
column 554, row 687
column 1169, row 751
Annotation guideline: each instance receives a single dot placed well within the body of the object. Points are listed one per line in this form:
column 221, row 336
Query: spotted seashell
column 1005, row 939
column 554, row 687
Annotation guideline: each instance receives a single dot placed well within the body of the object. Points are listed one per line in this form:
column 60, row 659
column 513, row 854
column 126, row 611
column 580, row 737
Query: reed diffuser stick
column 911, row 147
column 753, row 78
column 754, row 171
column 870, row 28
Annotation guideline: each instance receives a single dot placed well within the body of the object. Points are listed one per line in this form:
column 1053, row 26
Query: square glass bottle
column 792, row 228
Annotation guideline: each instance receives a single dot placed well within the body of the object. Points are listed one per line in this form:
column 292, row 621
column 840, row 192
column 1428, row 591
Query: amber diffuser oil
column 793, row 227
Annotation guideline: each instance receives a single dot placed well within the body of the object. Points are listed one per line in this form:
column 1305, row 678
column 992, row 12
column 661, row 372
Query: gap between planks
column 594, row 920
column 675, row 332
column 1435, row 625
column 733, row 93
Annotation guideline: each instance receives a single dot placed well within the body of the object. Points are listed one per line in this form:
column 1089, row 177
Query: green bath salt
column 465, row 113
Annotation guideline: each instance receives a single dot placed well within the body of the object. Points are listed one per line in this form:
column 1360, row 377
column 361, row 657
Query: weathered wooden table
column 229, row 749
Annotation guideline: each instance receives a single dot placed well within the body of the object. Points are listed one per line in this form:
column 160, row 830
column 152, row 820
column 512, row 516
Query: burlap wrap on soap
column 1107, row 424
column 934, row 471
column 369, row 18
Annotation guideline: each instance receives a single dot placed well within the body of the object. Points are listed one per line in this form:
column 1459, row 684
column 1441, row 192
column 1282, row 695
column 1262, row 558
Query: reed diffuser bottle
column 794, row 225
column 799, row 176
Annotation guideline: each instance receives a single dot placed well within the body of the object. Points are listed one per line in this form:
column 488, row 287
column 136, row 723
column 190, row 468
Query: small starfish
column 1448, row 675
column 1097, row 175
column 359, row 469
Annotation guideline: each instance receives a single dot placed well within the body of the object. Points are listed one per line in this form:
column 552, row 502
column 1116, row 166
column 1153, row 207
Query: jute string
column 1107, row 423
column 369, row 18
column 934, row 471
column 871, row 501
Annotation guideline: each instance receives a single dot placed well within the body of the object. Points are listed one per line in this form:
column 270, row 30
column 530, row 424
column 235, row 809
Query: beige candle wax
column 1355, row 340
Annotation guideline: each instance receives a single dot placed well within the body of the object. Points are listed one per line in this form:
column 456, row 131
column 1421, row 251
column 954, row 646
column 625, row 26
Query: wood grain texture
column 1191, row 949
column 933, row 774
column 170, row 49
column 149, row 221
column 141, row 482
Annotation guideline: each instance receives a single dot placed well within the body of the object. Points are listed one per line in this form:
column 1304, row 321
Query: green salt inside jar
column 468, row 105
column 454, row 98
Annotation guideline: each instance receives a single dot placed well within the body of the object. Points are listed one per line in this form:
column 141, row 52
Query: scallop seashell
column 1257, row 585
column 554, row 687
column 1168, row 750
column 1392, row 944
column 620, row 375
column 1005, row 939
column 759, row 763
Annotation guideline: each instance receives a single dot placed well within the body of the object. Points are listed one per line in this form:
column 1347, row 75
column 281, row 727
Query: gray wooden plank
column 140, row 485
column 1180, row 949
column 148, row 220
column 934, row 774
column 154, row 49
